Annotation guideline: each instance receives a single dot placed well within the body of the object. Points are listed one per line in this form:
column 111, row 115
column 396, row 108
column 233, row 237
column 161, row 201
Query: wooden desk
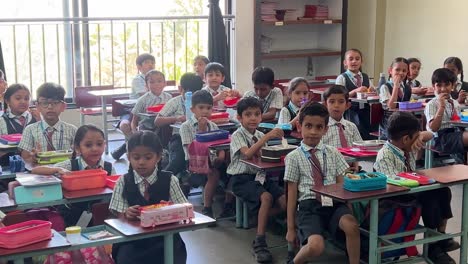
column 88, row 193
column 258, row 164
column 227, row 126
column 416, row 111
column 7, row 174
column 369, row 100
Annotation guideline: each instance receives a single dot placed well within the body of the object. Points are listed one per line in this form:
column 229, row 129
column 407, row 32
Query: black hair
column 295, row 82
column 443, row 75
column 52, row 91
column 457, row 62
column 397, row 60
column 314, row 109
column 147, row 139
column 411, row 60
column 190, row 82
column 81, row 133
column 142, row 57
column 148, row 74
column 354, row 50
column 2, row 75
column 215, row 67
column 202, row 58
column 401, row 124
column 248, row 102
column 336, row 89
column 202, row 97
column 11, row 90
column 263, row 75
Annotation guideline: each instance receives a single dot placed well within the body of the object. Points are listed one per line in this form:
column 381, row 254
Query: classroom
column 233, row 131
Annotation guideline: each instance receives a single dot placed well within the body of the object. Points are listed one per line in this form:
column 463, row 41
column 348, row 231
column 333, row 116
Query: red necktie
column 407, row 162
column 358, row 80
column 343, row 141
column 146, row 194
column 317, row 175
column 50, row 133
column 22, row 120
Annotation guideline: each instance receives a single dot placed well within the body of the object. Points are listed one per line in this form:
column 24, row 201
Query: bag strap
column 108, row 167
column 74, row 165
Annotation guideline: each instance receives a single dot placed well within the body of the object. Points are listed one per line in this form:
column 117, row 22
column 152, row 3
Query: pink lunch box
column 167, row 214
column 25, row 233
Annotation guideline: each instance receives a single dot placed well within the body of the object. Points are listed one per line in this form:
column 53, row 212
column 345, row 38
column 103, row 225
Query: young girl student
column 298, row 92
column 461, row 88
column 356, row 81
column 389, row 96
column 145, row 184
column 413, row 73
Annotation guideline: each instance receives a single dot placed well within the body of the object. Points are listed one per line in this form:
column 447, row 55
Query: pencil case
column 52, row 157
column 421, row 179
column 400, row 181
column 212, row 135
column 25, row 233
column 167, row 214
column 85, row 179
column 357, row 152
column 409, row 105
column 155, row 108
column 12, row 139
column 277, row 151
column 16, row 164
column 365, row 181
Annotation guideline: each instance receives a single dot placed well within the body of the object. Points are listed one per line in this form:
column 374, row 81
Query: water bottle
column 188, row 105
column 382, row 81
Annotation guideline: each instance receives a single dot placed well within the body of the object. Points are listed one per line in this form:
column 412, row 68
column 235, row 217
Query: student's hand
column 461, row 96
column 418, row 144
column 443, row 97
column 202, row 124
column 419, row 90
column 36, row 114
column 132, row 212
column 220, row 96
column 62, row 171
column 291, row 236
column 181, row 119
column 275, row 133
column 234, row 93
column 362, row 89
column 34, row 155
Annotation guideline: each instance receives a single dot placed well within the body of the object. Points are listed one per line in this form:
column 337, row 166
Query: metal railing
column 99, row 51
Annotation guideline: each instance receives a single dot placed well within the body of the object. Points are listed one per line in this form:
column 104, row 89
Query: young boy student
column 50, row 133
column 202, row 107
column 341, row 133
column 270, row 97
column 398, row 155
column 214, row 77
column 314, row 164
column 248, row 183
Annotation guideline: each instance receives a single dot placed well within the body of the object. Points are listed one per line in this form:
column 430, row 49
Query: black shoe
column 449, row 245
column 442, row 258
column 228, row 211
column 290, row 259
column 261, row 252
column 117, row 153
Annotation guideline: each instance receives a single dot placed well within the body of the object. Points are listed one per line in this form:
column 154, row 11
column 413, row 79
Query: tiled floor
column 227, row 244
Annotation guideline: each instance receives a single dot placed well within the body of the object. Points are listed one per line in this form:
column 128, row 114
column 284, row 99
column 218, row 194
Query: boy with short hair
column 398, row 155
column 214, row 77
column 248, row 183
column 341, row 133
column 50, row 133
column 271, row 97
column 314, row 164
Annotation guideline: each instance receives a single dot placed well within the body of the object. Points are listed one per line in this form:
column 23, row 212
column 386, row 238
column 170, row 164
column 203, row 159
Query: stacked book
column 322, row 12
column 267, row 11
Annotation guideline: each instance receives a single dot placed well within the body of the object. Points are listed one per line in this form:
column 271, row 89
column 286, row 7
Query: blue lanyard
column 309, row 157
column 352, row 78
column 44, row 133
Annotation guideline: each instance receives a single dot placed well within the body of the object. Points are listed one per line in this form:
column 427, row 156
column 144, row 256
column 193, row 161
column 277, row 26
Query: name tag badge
column 260, row 177
column 327, row 201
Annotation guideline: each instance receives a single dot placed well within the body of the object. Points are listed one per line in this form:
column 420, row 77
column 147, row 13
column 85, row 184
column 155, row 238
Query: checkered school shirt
column 66, row 164
column 273, row 100
column 431, row 110
column 119, row 204
column 189, row 128
column 239, row 139
column 34, row 137
column 332, row 137
column 299, row 169
column 391, row 160
column 138, row 86
column 285, row 116
column 173, row 108
column 149, row 99
column 213, row 93
column 13, row 118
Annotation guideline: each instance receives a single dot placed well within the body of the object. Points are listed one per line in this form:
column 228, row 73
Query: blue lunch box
column 367, row 181
column 212, row 135
column 37, row 194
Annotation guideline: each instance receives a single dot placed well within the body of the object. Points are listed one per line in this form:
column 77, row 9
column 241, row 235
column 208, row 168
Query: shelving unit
column 304, row 47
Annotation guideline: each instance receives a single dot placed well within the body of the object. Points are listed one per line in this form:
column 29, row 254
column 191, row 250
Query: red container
column 219, row 115
column 310, row 11
column 155, row 108
column 11, row 139
column 112, row 180
column 26, row 233
column 85, row 179
column 231, row 101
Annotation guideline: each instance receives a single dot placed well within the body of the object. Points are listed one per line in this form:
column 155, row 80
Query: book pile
column 267, row 11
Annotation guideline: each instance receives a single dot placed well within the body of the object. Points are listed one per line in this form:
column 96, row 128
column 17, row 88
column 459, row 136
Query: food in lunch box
column 353, row 176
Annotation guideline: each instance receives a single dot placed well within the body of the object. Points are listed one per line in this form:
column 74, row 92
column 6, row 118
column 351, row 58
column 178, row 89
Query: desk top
column 86, row 193
column 459, row 123
column 447, row 174
column 318, row 90
column 337, row 192
column 127, row 102
column 130, row 228
column 57, row 241
column 261, row 165
column 371, row 99
column 220, row 126
column 118, row 91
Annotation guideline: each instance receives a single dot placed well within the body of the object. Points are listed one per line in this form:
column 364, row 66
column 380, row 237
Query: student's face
column 146, row 66
column 143, row 160
column 337, row 105
column 453, row 68
column 414, row 69
column 399, row 69
column 300, row 93
column 91, row 147
column 50, row 109
column 19, row 102
column 250, row 118
column 353, row 61
column 441, row 88
column 262, row 90
column 199, row 68
column 313, row 128
column 408, row 141
column 214, row 79
column 156, row 83
column 202, row 110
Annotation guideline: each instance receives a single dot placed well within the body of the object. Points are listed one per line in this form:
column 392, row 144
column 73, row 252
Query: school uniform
column 13, row 124
column 460, row 86
column 243, row 177
column 138, row 86
column 145, row 101
column 131, row 190
column 392, row 160
column 336, row 128
column 288, row 113
column 360, row 117
column 189, row 129
column 448, row 139
column 386, row 90
column 173, row 108
column 413, row 83
column 312, row 217
column 46, row 138
column 273, row 100
column 213, row 92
